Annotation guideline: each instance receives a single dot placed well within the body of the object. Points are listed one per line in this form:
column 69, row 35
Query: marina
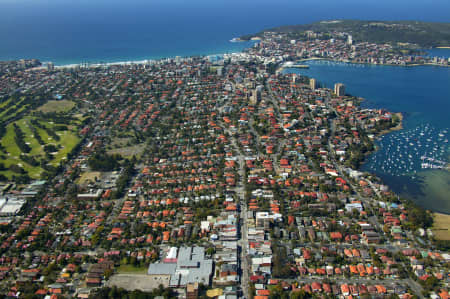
column 407, row 152
column 421, row 95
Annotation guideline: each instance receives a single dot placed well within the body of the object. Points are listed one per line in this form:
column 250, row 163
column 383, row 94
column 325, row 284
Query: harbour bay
column 404, row 158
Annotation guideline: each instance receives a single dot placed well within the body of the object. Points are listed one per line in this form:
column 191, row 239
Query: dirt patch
column 133, row 282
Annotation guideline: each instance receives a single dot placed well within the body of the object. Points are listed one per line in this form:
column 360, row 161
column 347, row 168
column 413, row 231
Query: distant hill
column 424, row 34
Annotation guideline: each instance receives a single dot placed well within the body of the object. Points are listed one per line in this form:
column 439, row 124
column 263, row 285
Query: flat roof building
column 339, row 89
column 191, row 266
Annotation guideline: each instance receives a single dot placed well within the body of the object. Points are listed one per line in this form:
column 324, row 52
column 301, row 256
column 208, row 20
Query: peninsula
column 354, row 42
column 412, row 33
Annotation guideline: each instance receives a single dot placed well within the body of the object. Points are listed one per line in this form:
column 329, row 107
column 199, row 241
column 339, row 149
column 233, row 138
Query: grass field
column 441, row 226
column 130, row 269
column 89, row 176
column 57, row 106
column 128, row 151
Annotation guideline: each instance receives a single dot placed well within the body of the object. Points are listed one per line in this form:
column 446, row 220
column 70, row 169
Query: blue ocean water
column 422, row 95
column 66, row 31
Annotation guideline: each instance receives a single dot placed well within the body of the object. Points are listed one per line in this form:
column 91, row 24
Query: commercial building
column 10, row 206
column 188, row 266
column 313, row 83
column 339, row 89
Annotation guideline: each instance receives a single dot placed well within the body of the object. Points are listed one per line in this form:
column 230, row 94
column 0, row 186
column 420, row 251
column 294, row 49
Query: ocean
column 66, row 31
column 422, row 95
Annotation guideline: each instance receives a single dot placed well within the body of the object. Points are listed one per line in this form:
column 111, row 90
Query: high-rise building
column 339, row 89
column 256, row 96
column 294, row 78
column 349, row 40
column 312, row 83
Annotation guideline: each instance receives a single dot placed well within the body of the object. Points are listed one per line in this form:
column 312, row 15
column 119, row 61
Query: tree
column 210, row 251
column 298, row 295
column 100, row 161
column 430, row 284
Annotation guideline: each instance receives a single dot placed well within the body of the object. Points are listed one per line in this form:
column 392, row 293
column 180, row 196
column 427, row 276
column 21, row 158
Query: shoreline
column 156, row 58
column 398, row 127
column 149, row 60
column 232, row 41
column 131, row 62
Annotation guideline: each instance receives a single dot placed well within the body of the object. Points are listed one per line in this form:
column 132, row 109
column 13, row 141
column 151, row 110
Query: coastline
column 151, row 60
column 130, row 62
column 398, row 127
column 229, row 49
column 232, row 41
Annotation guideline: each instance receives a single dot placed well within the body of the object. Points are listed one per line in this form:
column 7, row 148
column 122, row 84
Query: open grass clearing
column 86, row 177
column 57, row 106
column 124, row 269
column 118, row 142
column 128, row 151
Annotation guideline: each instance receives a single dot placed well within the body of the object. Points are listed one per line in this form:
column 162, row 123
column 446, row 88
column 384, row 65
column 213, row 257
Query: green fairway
column 36, row 148
column 11, row 111
column 39, row 129
column 68, row 140
column 2, row 105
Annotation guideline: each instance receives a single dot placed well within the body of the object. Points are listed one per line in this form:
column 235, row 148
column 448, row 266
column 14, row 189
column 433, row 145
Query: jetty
column 291, row 64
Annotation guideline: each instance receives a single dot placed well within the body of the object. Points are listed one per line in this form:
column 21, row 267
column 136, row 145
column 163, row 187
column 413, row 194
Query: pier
column 291, row 64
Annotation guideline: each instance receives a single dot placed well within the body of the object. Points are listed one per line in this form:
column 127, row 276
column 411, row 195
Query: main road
column 243, row 240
